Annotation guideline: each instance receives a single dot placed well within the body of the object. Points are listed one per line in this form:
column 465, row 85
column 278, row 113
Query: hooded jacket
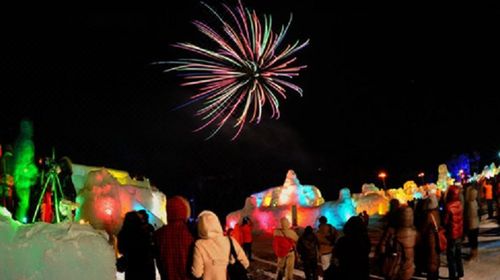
column 472, row 208
column 212, row 251
column 454, row 219
column 407, row 235
column 429, row 236
column 173, row 241
column 284, row 239
column 286, row 230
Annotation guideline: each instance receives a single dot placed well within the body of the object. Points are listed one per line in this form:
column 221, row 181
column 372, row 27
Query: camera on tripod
column 49, row 163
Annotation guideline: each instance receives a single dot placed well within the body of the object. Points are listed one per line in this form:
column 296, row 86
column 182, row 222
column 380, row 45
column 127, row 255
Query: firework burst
column 249, row 70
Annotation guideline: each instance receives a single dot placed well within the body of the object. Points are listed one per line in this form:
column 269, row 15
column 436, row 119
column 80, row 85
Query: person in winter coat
column 487, row 190
column 327, row 236
column 407, row 235
column 308, row 248
column 472, row 220
column 453, row 222
column 420, row 220
column 134, row 243
column 353, row 250
column 212, row 251
column 429, row 237
column 365, row 217
column 284, row 240
column 68, row 188
column 391, row 218
column 174, row 241
column 246, row 236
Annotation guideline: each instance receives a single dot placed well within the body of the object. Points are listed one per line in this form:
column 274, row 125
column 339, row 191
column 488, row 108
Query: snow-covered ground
column 74, row 251
column 487, row 268
column 53, row 251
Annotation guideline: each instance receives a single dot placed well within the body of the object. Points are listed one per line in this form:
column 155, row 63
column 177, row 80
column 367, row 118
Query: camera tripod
column 52, row 180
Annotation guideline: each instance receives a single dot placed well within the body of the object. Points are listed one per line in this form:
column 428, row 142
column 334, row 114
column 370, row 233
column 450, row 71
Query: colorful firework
column 248, row 70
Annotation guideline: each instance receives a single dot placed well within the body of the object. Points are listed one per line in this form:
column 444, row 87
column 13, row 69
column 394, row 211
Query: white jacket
column 212, row 250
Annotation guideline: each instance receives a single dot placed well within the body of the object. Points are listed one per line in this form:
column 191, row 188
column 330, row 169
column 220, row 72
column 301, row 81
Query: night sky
column 398, row 88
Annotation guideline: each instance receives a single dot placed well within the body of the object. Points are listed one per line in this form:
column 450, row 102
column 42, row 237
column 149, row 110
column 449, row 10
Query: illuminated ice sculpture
column 301, row 204
column 106, row 195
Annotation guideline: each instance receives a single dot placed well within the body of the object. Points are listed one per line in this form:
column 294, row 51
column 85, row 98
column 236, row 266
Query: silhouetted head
column 65, row 165
column 131, row 222
column 143, row 215
column 453, row 194
column 354, row 226
column 323, row 220
column 393, row 205
column 308, row 230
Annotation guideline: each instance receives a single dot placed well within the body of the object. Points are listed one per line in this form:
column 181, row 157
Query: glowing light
column 421, row 174
column 258, row 200
column 106, row 207
column 267, row 201
column 382, row 175
column 418, row 195
column 25, row 170
column 248, row 70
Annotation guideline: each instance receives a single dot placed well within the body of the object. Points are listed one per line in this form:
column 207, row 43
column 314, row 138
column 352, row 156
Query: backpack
column 393, row 258
column 282, row 246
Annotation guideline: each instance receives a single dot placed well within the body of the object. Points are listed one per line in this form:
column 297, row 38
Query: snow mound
column 53, row 251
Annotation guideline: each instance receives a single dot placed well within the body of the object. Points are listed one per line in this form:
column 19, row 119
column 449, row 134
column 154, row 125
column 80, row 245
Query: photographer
column 68, row 189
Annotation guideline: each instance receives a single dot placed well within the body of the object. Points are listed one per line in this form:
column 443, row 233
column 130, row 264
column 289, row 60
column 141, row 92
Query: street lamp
column 421, row 175
column 382, row 176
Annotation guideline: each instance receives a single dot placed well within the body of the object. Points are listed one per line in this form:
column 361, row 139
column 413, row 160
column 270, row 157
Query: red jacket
column 454, row 218
column 246, row 233
column 173, row 241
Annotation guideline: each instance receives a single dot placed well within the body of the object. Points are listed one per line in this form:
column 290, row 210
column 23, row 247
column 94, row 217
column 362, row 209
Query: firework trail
column 249, row 69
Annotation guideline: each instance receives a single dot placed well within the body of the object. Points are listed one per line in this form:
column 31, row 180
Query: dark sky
column 399, row 88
